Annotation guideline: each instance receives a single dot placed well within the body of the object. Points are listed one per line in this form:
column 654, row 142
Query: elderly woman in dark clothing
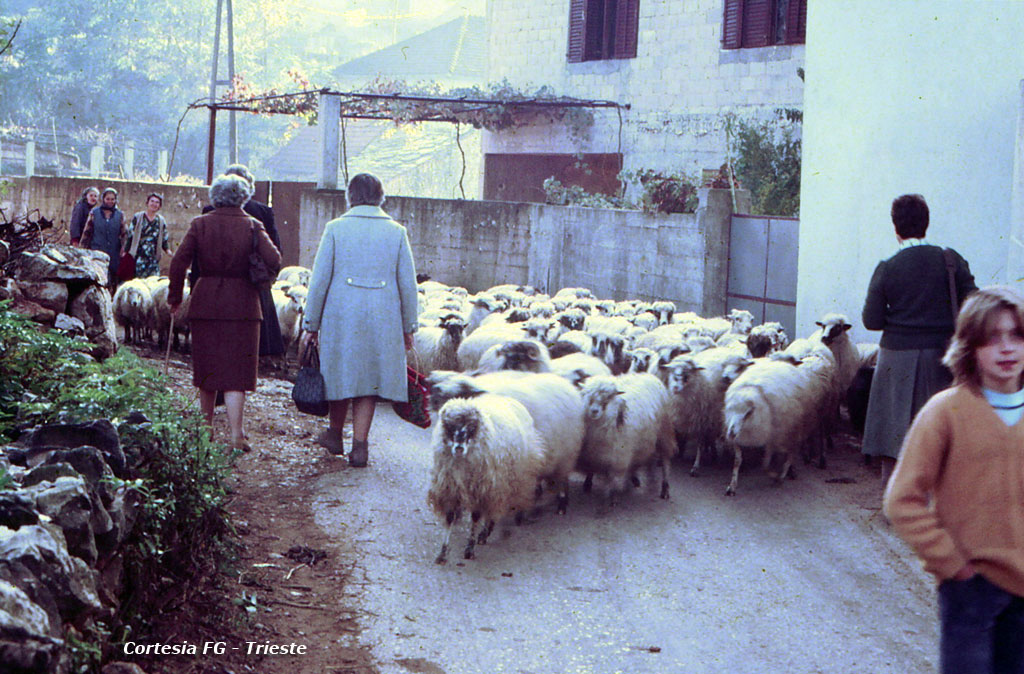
column 909, row 300
column 224, row 311
column 80, row 213
column 271, row 342
column 106, row 230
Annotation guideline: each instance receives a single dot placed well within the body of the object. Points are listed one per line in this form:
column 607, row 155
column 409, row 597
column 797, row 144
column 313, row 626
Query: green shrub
column 768, row 163
column 183, row 530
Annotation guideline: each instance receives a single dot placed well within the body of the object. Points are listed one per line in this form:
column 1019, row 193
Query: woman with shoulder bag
column 361, row 311
column 147, row 236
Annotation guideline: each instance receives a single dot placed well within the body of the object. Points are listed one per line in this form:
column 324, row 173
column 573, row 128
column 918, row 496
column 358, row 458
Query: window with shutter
column 602, row 29
column 761, row 23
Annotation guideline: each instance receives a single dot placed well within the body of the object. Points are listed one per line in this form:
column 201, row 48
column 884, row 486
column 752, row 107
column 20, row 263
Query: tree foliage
column 768, row 163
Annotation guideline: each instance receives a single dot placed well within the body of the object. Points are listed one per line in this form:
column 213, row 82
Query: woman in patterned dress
column 151, row 228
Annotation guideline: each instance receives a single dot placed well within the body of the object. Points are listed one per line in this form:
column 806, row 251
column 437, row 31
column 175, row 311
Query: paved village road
column 803, row 578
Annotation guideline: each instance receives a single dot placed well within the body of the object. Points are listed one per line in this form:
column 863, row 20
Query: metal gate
column 762, row 268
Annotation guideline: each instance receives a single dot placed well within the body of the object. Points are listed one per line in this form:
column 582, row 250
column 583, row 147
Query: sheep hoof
column 563, row 503
column 664, row 490
column 730, row 491
column 635, row 481
column 694, row 472
column 588, row 482
column 442, row 557
column 469, row 553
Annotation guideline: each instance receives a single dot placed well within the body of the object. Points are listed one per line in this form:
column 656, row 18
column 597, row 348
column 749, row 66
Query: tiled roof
column 456, row 50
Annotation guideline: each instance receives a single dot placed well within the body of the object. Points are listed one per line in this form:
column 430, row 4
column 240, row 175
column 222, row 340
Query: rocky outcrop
column 64, row 287
column 61, row 532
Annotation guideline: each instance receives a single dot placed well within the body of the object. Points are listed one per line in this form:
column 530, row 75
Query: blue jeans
column 982, row 628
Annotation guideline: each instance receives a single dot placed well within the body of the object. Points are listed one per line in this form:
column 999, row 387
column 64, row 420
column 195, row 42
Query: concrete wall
column 55, row 198
column 617, row 254
column 679, row 85
column 926, row 101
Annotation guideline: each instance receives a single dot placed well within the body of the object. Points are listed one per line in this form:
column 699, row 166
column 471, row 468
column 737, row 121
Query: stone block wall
column 618, row 254
column 678, row 86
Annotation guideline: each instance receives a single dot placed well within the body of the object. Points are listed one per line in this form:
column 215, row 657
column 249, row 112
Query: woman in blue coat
column 361, row 310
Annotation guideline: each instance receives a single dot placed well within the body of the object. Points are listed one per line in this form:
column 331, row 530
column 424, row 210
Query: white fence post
column 30, row 158
column 161, row 165
column 95, row 161
column 129, row 160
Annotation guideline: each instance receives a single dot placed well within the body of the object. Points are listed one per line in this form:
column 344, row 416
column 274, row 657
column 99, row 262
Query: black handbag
column 310, row 393
column 259, row 273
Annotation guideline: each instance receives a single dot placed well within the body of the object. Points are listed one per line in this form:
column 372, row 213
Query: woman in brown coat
column 224, row 311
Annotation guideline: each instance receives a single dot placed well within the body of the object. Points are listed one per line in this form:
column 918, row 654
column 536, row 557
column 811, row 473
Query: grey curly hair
column 242, row 171
column 229, row 191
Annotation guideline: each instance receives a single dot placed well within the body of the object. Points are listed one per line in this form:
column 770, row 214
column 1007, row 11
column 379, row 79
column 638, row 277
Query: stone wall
column 678, row 86
column 618, row 254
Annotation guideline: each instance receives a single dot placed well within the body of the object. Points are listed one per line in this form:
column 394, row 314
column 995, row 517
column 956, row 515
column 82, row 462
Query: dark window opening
column 763, row 23
column 602, row 29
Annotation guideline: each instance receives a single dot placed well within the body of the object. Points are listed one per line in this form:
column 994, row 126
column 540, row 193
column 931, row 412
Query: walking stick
column 167, row 355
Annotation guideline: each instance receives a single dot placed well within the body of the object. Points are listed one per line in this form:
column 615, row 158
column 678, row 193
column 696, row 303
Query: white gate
column 762, row 268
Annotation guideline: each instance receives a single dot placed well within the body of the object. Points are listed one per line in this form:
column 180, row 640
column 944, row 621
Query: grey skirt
column 903, row 383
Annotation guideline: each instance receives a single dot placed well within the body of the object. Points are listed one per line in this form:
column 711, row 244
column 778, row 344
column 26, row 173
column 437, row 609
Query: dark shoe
column 360, row 453
column 331, row 440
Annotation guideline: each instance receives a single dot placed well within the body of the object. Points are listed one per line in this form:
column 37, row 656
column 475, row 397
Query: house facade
column 684, row 69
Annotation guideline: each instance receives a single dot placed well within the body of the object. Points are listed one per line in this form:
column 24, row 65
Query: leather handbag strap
column 947, row 255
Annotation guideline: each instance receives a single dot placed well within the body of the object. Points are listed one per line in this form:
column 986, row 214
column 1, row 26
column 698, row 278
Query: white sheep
column 436, row 348
column 578, row 367
column 742, row 321
column 289, row 317
column 473, row 346
column 134, row 310
column 295, row 275
column 766, row 338
column 482, row 306
column 628, row 426
column 697, row 384
column 159, row 290
column 609, row 347
column 645, row 320
column 664, row 311
column 488, row 458
column 772, row 405
column 643, row 360
column 553, row 403
column 581, row 340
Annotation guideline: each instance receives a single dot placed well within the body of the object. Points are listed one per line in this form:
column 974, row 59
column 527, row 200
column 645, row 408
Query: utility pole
column 215, row 82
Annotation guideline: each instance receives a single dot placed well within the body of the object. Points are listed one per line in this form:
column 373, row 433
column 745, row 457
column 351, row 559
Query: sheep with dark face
column 664, row 311
column 553, row 403
column 488, row 458
column 484, row 340
column 766, row 338
column 608, row 347
column 436, row 348
column 628, row 426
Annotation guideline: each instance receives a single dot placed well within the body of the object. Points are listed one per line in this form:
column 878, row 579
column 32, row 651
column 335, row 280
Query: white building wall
column 927, row 101
column 680, row 85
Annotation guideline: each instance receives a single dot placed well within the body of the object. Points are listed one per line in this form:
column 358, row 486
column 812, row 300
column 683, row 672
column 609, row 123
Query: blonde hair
column 975, row 325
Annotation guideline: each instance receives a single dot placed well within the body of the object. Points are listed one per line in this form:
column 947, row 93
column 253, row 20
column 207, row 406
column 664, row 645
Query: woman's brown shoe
column 331, row 440
column 360, row 454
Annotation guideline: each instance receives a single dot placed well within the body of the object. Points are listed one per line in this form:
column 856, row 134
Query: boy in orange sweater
column 957, row 494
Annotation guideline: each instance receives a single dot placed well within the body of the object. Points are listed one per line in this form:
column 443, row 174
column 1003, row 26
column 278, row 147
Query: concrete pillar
column 129, row 160
column 714, row 217
column 329, row 125
column 30, row 158
column 95, row 161
column 161, row 164
column 1015, row 262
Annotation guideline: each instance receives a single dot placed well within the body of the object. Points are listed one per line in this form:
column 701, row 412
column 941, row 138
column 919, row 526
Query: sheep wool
column 487, row 460
column 134, row 310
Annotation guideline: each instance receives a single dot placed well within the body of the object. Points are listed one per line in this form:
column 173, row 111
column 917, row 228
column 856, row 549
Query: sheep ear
column 845, row 326
column 819, row 324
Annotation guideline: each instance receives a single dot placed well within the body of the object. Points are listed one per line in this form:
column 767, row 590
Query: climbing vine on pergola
column 498, row 108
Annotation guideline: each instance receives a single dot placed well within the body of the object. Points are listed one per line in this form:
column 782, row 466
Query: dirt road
column 802, row 578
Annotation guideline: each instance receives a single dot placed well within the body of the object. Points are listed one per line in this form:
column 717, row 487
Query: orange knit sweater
column 957, row 493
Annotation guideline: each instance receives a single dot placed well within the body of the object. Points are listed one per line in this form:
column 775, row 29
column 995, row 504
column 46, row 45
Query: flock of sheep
column 140, row 308
column 529, row 388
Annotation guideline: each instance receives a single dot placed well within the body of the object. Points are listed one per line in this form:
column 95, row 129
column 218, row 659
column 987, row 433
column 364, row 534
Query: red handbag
column 417, row 410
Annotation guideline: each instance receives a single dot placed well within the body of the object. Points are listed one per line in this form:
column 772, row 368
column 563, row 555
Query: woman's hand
column 309, row 337
column 174, row 309
column 408, row 340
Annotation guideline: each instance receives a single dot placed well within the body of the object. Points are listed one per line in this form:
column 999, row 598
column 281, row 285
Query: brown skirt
column 225, row 354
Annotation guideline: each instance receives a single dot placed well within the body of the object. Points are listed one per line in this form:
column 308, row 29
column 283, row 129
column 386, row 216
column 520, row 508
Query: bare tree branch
column 11, row 40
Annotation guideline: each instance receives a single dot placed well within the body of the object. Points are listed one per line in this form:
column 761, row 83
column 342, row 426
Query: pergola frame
column 361, row 105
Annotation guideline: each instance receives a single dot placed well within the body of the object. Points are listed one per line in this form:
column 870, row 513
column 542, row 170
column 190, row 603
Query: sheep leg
column 485, row 533
column 787, row 464
column 664, row 477
column 471, row 543
column 616, row 485
column 450, row 518
column 563, row 496
column 737, row 460
column 695, row 469
column 588, row 482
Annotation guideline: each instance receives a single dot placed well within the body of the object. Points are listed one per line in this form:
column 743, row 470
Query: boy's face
column 1001, row 357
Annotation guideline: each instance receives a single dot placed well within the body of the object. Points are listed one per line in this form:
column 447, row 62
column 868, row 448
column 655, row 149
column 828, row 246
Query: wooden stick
column 170, row 336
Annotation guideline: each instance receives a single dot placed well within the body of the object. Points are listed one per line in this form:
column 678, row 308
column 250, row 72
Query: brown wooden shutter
column 627, row 22
column 796, row 22
column 757, row 23
column 577, row 30
column 732, row 24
